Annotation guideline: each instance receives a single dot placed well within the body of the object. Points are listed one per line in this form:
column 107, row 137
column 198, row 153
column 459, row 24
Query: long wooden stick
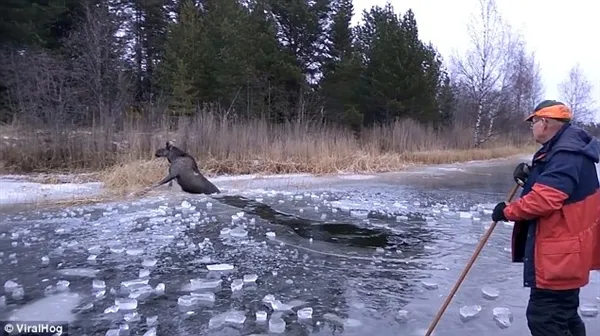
column 463, row 275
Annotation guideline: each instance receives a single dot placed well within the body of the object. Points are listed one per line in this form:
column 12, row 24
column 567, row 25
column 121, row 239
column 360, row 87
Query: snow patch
column 356, row 177
column 15, row 191
column 226, row 178
column 54, row 308
column 451, row 169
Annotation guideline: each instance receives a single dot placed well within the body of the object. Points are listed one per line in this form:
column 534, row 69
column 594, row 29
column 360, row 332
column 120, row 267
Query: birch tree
column 480, row 70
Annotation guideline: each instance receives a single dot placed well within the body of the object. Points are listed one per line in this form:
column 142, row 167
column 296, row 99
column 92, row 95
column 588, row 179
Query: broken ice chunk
column 238, row 232
column 124, row 328
column 201, row 284
column 250, row 278
column 305, row 313
column 132, row 317
column 159, row 289
column 220, row 267
column 490, row 293
column 186, row 205
column 45, row 260
column 111, row 309
column 140, row 292
column 62, row 285
column 234, row 317
column 588, row 310
column 429, row 285
column 151, row 320
column 149, row 262
column 204, row 298
column 88, row 307
column 128, row 285
column 187, row 300
column 261, row 316
column 277, row 305
column 96, row 249
column 276, row 324
column 464, row 214
column 98, row 284
column 268, row 298
column 126, row 303
column 359, row 213
column 134, row 252
column 10, row 285
column 117, row 249
column 402, row 316
column 503, row 317
column 99, row 294
column 469, row 312
column 18, row 293
column 271, row 234
column 237, row 285
column 144, row 273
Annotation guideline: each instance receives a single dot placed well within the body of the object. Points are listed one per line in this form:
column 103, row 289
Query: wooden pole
column 463, row 275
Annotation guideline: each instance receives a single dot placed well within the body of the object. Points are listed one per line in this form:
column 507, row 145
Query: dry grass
column 132, row 176
column 124, row 159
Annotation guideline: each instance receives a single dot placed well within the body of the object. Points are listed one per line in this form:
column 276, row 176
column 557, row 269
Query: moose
column 183, row 167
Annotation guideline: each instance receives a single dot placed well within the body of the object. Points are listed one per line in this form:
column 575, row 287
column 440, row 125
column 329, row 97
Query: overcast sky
column 561, row 32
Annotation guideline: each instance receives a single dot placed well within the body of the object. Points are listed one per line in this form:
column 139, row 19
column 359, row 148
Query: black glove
column 498, row 213
column 521, row 173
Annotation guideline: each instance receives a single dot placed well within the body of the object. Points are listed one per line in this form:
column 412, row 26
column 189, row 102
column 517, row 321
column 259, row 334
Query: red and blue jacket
column 557, row 231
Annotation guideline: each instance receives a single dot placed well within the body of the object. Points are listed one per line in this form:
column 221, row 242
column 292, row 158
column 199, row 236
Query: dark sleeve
column 551, row 189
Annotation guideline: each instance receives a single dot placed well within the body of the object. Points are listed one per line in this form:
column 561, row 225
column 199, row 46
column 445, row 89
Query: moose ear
column 168, row 145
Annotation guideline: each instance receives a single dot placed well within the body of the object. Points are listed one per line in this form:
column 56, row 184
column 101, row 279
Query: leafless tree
column 39, row 86
column 522, row 86
column 576, row 92
column 98, row 69
column 481, row 70
column 82, row 84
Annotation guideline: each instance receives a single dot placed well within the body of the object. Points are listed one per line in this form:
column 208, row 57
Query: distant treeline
column 102, row 62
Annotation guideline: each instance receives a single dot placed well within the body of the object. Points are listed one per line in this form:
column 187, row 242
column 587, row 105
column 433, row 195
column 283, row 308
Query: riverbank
column 120, row 181
column 121, row 160
column 133, row 176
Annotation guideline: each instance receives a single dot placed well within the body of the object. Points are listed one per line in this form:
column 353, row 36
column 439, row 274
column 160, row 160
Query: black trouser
column 554, row 313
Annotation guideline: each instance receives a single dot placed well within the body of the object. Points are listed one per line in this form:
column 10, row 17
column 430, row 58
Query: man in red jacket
column 557, row 232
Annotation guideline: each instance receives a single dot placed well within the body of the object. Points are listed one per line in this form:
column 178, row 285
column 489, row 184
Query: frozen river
column 352, row 255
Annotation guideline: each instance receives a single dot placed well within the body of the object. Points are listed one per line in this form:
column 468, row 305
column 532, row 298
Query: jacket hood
column 574, row 139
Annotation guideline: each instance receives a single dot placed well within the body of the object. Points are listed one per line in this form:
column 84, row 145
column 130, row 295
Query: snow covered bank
column 18, row 189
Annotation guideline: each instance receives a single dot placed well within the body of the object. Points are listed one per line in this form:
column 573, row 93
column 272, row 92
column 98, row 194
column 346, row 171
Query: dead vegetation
column 124, row 160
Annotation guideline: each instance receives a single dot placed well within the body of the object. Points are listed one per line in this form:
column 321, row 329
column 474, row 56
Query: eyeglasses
column 533, row 122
